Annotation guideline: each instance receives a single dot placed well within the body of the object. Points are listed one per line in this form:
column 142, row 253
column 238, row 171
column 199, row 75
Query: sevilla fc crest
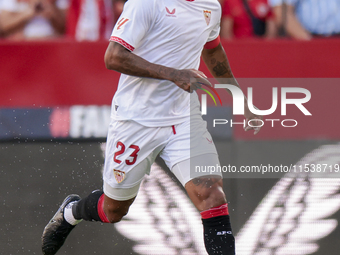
column 207, row 16
column 119, row 175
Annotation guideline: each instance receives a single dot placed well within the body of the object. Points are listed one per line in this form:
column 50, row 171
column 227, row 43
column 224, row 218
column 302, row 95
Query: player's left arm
column 217, row 62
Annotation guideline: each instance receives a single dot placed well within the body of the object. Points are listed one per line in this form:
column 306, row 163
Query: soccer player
column 156, row 45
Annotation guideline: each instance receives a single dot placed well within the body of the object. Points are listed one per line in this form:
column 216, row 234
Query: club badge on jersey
column 207, row 16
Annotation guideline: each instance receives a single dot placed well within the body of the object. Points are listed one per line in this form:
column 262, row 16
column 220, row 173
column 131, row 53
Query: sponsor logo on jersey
column 170, row 13
column 207, row 16
column 119, row 175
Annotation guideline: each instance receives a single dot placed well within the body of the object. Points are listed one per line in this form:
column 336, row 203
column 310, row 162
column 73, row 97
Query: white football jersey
column 171, row 33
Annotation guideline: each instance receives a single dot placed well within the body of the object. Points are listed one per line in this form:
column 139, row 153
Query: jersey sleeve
column 215, row 32
column 133, row 23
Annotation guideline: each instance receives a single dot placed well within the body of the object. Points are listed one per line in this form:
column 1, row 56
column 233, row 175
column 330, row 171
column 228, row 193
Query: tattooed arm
column 121, row 60
column 218, row 65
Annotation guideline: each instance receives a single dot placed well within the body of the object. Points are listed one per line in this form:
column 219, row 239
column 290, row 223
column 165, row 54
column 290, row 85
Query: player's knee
column 215, row 197
column 115, row 218
column 206, row 193
column 115, row 210
column 115, row 215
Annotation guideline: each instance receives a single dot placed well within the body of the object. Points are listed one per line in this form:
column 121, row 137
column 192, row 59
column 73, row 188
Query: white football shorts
column 132, row 148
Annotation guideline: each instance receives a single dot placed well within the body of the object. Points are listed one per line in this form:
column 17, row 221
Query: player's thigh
column 130, row 150
column 123, row 189
column 197, row 167
column 192, row 156
column 189, row 142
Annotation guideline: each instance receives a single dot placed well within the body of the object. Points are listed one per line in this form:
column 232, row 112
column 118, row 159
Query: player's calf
column 89, row 208
column 218, row 236
column 98, row 207
column 207, row 195
column 115, row 210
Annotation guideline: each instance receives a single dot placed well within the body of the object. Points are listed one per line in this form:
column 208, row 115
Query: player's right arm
column 132, row 26
column 120, row 59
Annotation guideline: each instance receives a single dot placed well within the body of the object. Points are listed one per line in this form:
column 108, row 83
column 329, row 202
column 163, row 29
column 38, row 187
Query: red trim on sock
column 215, row 211
column 100, row 210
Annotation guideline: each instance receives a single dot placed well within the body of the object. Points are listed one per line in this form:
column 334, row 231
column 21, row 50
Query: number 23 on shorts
column 121, row 150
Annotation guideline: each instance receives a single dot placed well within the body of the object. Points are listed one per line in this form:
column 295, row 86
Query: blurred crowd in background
column 92, row 20
column 82, row 20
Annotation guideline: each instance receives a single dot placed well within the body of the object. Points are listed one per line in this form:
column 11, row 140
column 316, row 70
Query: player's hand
column 189, row 79
column 254, row 120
